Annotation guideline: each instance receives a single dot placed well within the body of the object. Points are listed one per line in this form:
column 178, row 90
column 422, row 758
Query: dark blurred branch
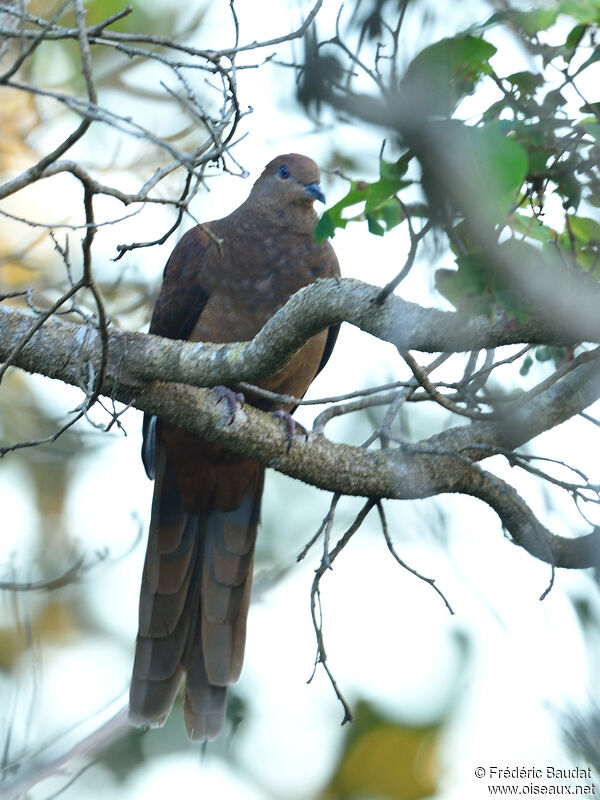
column 99, row 739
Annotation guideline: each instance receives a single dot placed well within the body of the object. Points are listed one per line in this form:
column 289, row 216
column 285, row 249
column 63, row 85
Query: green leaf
column 379, row 198
column 392, row 214
column 526, row 365
column 550, row 353
column 493, row 112
column 374, row 226
column 554, row 99
column 587, row 63
column 544, row 353
column 478, row 289
column 538, row 160
column 468, row 288
column 332, row 218
column 575, row 36
column 585, row 230
column 446, row 71
column 497, row 18
column 485, row 169
column 396, row 170
column 530, row 227
column 325, row 228
column 585, row 11
column 500, row 165
column 534, row 21
column 381, row 191
column 592, row 126
column 385, row 758
column 526, row 82
column 569, row 188
column 591, row 108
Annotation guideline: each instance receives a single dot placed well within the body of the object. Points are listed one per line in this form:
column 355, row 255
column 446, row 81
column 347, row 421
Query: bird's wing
column 184, row 293
column 182, row 297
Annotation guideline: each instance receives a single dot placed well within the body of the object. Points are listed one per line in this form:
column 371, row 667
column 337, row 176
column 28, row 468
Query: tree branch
column 138, row 365
column 143, row 358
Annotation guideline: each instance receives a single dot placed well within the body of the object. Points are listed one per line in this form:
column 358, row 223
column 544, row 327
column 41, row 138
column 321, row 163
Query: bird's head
column 289, row 181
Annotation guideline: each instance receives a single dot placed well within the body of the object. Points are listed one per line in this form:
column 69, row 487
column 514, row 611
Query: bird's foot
column 291, row 425
column 233, row 400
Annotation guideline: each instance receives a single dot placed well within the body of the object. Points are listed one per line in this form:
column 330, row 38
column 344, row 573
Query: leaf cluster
column 528, row 160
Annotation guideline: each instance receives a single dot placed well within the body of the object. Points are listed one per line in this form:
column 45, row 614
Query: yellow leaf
column 55, row 622
column 13, row 643
column 18, row 117
column 386, row 760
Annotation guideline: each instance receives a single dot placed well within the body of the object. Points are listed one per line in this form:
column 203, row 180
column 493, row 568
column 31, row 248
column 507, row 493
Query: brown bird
column 222, row 283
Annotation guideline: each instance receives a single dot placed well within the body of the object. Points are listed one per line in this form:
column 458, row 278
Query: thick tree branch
column 441, row 464
column 142, row 358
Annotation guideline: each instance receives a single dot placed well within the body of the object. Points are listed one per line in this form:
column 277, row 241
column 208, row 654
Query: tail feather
column 223, row 641
column 193, row 606
column 226, row 584
column 158, row 657
column 166, row 581
column 239, row 630
column 150, row 701
column 205, row 705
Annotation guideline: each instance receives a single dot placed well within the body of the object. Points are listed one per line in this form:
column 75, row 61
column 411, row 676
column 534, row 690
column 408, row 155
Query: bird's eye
column 283, row 172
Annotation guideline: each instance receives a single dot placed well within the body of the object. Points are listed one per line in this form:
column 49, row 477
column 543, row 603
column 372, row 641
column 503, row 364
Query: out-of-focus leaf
column 122, row 756
column 585, row 11
column 585, row 230
column 374, row 226
column 554, row 99
column 320, row 71
column 442, row 74
column 56, row 622
column 493, row 167
column 477, row 288
column 470, row 287
column 391, row 214
column 575, row 36
column 494, row 111
column 550, row 353
column 591, row 108
column 530, row 227
column 595, row 56
column 526, row 365
column 592, row 126
column 532, row 22
column 386, row 760
column 569, row 188
column 544, row 353
column 19, row 115
column 13, row 643
column 526, row 82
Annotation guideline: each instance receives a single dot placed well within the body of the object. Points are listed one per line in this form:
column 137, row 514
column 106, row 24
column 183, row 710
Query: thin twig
column 403, row 564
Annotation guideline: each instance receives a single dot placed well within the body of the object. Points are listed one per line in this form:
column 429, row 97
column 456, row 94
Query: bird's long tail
column 193, row 606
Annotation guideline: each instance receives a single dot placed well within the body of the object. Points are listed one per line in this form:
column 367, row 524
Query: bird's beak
column 314, row 190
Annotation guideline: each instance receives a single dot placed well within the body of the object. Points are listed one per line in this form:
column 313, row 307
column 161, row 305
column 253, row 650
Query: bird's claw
column 234, row 400
column 291, row 425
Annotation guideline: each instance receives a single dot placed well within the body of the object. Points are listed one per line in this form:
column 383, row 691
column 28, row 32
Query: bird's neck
column 299, row 218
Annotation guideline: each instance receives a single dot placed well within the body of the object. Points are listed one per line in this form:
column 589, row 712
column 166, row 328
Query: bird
column 223, row 281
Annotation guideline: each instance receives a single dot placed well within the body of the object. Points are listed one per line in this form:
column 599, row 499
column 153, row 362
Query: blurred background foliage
column 63, row 578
